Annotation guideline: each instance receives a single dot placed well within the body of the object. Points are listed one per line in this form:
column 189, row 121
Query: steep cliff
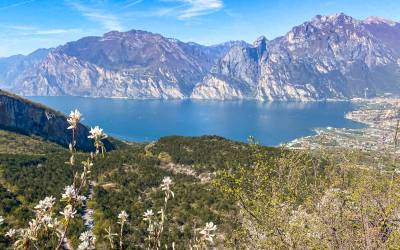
column 23, row 116
column 330, row 57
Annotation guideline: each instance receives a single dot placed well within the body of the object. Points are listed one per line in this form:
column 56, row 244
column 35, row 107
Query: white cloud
column 107, row 20
column 55, row 31
column 192, row 8
column 28, row 30
column 199, row 8
column 129, row 4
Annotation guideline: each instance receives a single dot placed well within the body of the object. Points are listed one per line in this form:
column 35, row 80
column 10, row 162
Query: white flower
column 34, row 226
column 69, row 212
column 208, row 231
column 88, row 240
column 45, row 204
column 87, row 236
column 123, row 216
column 166, row 187
column 166, row 183
column 11, row 233
column 49, row 222
column 97, row 134
column 70, row 194
column 148, row 214
column 84, row 246
column 74, row 118
column 1, row 220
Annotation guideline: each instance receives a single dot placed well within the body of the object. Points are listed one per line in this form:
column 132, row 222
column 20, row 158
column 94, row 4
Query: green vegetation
column 323, row 200
column 260, row 197
column 124, row 180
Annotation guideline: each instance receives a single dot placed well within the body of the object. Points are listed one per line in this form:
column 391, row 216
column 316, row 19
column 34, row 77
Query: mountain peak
column 379, row 20
column 261, row 44
column 340, row 18
column 262, row 40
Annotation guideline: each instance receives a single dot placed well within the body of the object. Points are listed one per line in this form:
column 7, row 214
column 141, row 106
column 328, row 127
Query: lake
column 147, row 120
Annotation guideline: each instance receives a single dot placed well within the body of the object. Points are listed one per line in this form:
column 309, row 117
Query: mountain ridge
column 328, row 57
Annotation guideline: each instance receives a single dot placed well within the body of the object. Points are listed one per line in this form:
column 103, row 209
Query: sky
column 27, row 25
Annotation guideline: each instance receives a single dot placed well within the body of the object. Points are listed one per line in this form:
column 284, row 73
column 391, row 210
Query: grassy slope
column 31, row 168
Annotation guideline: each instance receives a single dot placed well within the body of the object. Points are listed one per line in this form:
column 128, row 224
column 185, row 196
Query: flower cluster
column 70, row 194
column 123, row 216
column 97, row 135
column 208, row 232
column 166, row 187
column 73, row 119
column 44, row 222
column 69, row 212
column 88, row 241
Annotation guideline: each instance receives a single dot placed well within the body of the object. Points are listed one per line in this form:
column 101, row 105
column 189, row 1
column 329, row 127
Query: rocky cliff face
column 330, row 57
column 21, row 115
column 134, row 64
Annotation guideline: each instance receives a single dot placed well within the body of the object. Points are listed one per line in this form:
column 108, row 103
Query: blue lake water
column 147, row 120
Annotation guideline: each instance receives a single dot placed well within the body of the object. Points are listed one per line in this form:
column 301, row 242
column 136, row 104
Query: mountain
column 134, row 64
column 330, row 57
column 235, row 75
column 11, row 67
column 26, row 117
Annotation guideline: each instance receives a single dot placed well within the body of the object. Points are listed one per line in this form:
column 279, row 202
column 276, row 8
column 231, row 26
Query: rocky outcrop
column 236, row 74
column 23, row 116
column 330, row 57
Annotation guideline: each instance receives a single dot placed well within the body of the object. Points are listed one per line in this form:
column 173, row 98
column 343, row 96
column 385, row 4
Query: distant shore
column 377, row 135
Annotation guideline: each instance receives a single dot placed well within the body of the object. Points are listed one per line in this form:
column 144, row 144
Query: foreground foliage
column 259, row 197
column 300, row 200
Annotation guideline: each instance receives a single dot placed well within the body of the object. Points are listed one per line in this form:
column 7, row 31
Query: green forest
column 259, row 197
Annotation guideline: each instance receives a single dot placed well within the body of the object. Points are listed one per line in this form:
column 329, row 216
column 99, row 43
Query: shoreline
column 377, row 135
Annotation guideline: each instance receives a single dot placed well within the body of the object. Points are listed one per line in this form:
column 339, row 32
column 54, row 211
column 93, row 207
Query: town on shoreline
column 380, row 116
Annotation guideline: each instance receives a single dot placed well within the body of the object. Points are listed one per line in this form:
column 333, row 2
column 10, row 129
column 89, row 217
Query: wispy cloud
column 16, row 4
column 108, row 20
column 130, row 3
column 27, row 30
column 193, row 8
column 56, row 31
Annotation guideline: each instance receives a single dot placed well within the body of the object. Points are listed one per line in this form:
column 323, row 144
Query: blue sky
column 30, row 24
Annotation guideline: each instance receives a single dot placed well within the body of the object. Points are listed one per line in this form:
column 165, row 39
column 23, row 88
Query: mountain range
column 328, row 57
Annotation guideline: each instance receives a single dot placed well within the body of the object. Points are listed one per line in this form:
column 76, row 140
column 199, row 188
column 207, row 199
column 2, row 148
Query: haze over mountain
column 329, row 57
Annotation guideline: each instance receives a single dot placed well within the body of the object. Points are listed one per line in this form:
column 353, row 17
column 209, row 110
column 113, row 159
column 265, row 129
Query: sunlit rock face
column 329, row 57
column 134, row 64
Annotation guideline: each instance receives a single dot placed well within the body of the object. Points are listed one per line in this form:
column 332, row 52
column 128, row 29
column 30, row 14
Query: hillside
column 125, row 179
column 245, row 189
column 21, row 115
